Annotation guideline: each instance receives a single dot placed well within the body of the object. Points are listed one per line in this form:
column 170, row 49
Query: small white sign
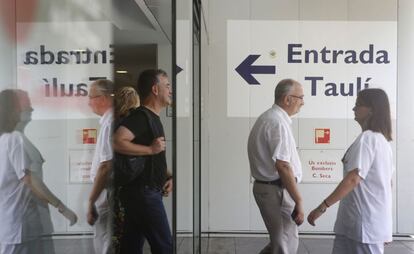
column 321, row 166
column 80, row 162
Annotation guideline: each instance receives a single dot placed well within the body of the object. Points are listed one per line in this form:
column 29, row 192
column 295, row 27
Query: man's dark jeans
column 145, row 217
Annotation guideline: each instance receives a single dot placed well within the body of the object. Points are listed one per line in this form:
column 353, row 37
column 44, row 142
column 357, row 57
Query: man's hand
column 298, row 214
column 158, row 145
column 168, row 187
column 92, row 215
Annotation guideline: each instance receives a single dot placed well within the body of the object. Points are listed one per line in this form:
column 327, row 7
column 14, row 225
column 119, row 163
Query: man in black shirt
column 142, row 133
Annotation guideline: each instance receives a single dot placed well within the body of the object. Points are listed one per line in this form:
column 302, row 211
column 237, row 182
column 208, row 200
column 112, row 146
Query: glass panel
column 185, row 129
column 142, row 40
column 53, row 51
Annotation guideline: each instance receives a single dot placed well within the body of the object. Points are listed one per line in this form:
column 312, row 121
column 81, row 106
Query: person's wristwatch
column 321, row 208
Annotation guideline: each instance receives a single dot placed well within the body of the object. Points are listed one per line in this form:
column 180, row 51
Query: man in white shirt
column 275, row 165
column 101, row 102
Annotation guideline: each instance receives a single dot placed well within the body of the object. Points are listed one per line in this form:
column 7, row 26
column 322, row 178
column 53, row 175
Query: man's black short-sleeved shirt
column 155, row 172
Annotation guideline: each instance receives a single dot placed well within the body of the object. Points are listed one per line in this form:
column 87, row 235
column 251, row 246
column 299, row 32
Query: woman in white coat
column 364, row 220
column 24, row 198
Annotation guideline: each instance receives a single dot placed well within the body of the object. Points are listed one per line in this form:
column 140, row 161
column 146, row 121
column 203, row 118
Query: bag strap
column 151, row 123
column 154, row 132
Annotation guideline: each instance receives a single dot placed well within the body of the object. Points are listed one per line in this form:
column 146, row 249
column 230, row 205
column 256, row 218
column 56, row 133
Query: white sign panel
column 333, row 60
column 57, row 62
column 80, row 162
column 322, row 166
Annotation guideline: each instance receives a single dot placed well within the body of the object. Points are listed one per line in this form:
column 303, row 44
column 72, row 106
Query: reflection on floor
column 240, row 245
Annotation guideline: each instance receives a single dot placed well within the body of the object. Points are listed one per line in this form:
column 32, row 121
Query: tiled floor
column 239, row 245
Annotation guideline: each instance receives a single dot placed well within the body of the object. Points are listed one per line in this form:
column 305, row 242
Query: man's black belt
column 277, row 182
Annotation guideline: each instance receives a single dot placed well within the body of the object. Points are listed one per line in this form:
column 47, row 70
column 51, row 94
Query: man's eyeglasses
column 295, row 96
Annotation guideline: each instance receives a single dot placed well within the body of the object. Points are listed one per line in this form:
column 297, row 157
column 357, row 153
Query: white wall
column 231, row 206
column 405, row 124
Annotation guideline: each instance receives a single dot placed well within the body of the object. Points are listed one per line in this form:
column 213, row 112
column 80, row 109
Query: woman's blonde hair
column 126, row 99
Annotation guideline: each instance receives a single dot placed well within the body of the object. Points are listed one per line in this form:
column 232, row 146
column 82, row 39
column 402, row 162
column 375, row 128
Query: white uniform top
column 271, row 139
column 103, row 149
column 20, row 220
column 365, row 214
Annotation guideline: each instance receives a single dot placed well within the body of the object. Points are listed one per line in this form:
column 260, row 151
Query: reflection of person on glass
column 145, row 215
column 24, row 197
column 101, row 102
column 364, row 220
column 125, row 101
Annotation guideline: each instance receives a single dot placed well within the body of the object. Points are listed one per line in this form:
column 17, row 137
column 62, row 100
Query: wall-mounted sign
column 322, row 136
column 89, row 136
column 80, row 162
column 321, row 166
column 56, row 63
column 333, row 60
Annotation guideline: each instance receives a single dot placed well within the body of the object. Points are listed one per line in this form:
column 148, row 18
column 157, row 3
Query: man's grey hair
column 104, row 86
column 283, row 88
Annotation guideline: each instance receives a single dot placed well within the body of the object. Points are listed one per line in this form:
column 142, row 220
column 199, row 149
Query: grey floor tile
column 186, row 246
column 317, row 246
column 204, row 245
column 73, row 246
column 179, row 241
column 250, row 245
column 221, row 246
column 397, row 247
column 302, row 248
column 408, row 244
column 240, row 245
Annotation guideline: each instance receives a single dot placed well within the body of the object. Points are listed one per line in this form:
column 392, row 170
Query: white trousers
column 103, row 226
column 344, row 245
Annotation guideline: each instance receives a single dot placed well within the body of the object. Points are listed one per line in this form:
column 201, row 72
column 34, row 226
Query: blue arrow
column 246, row 69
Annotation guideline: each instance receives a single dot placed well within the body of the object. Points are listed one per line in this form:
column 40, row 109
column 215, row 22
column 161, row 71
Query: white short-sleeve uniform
column 19, row 216
column 271, row 139
column 36, row 168
column 103, row 152
column 365, row 214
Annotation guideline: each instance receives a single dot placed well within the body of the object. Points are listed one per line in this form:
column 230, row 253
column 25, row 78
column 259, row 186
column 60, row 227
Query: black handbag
column 129, row 167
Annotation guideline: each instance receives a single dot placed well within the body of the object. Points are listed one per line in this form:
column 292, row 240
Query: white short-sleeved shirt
column 103, row 149
column 365, row 214
column 271, row 139
column 20, row 220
